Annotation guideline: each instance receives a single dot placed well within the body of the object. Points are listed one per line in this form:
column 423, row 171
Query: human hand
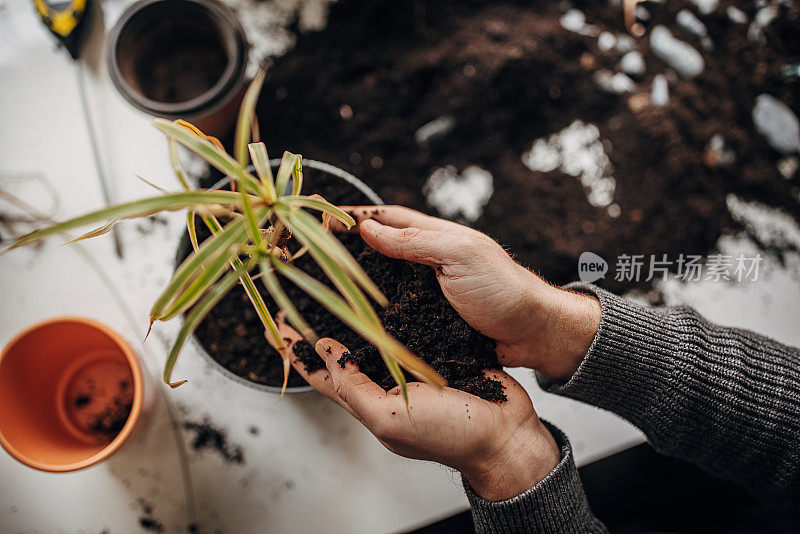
column 535, row 324
column 502, row 449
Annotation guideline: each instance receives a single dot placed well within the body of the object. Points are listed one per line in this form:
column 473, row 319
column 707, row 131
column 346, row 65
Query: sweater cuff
column 631, row 363
column 556, row 504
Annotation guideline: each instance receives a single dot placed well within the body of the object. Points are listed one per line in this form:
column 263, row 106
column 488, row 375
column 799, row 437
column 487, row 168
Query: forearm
column 725, row 399
column 555, row 504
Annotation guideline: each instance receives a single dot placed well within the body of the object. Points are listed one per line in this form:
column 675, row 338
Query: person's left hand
column 502, row 449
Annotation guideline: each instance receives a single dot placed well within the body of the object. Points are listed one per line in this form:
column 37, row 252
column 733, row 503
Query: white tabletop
column 311, row 467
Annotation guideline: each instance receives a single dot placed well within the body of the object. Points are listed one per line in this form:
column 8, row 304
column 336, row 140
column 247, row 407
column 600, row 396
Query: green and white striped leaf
column 258, row 154
column 196, row 316
column 213, row 155
column 300, row 201
column 135, row 209
column 246, row 117
column 306, row 224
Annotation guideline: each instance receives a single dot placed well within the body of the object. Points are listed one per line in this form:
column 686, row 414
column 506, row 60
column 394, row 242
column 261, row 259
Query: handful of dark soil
column 418, row 316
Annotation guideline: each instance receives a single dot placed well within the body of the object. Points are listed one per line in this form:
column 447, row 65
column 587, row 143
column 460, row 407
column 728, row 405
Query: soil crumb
column 146, row 519
column 209, row 437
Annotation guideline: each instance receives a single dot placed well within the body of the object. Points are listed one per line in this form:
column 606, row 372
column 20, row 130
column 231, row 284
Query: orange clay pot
column 65, row 385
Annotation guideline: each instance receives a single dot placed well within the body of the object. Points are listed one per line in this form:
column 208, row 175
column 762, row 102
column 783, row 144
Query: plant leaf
column 336, row 273
column 96, row 232
column 306, row 224
column 324, row 206
column 212, row 154
column 288, row 163
column 220, row 242
column 246, row 117
column 258, row 153
column 175, row 161
column 297, row 176
column 194, row 318
column 212, row 271
column 131, row 210
column 270, row 328
column 191, row 230
column 283, row 301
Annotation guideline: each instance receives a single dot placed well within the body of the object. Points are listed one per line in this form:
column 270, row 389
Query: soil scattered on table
column 146, row 519
column 493, row 77
column 209, row 437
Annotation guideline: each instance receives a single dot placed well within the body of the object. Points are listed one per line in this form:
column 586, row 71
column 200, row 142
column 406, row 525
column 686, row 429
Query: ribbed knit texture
column 557, row 504
column 725, row 399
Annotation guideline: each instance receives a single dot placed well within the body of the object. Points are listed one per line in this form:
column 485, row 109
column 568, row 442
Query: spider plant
column 250, row 227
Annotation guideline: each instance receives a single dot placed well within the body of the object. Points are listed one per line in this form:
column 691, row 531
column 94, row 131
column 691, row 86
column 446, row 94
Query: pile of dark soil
column 418, row 316
column 355, row 93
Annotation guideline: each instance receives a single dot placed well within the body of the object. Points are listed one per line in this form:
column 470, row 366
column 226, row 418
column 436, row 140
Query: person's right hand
column 535, row 324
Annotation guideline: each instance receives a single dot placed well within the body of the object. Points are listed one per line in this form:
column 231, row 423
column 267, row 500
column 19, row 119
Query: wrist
column 524, row 461
column 563, row 325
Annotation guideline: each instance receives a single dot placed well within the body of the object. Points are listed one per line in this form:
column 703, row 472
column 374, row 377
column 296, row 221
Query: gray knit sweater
column 725, row 399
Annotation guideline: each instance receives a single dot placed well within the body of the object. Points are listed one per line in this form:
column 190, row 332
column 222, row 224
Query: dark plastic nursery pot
column 72, row 392
column 348, row 180
column 180, row 59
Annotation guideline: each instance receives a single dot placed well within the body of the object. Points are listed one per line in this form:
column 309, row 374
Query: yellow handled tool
column 64, row 21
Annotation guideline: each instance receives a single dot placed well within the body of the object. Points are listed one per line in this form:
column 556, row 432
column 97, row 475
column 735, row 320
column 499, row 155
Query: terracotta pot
column 58, row 381
column 181, row 59
column 184, row 248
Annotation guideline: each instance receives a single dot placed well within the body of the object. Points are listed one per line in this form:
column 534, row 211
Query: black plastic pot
column 184, row 248
column 180, row 59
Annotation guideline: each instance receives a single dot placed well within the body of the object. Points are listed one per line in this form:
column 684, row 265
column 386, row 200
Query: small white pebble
column 677, row 54
column 659, row 94
column 632, row 63
column 706, row 7
column 606, row 41
column 625, row 43
column 614, row 211
column 763, row 18
column 736, row 15
column 434, row 130
column 573, row 20
column 689, row 22
column 777, row 123
column 614, row 83
column 788, row 166
column 642, row 13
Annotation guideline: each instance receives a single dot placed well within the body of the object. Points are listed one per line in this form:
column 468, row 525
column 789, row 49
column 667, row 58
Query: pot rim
column 311, row 164
column 136, row 407
column 213, row 98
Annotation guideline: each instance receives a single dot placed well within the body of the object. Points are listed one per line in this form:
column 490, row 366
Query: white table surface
column 310, row 462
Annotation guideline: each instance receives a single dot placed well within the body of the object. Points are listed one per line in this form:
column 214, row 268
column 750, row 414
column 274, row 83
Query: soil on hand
column 508, row 73
column 418, row 316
